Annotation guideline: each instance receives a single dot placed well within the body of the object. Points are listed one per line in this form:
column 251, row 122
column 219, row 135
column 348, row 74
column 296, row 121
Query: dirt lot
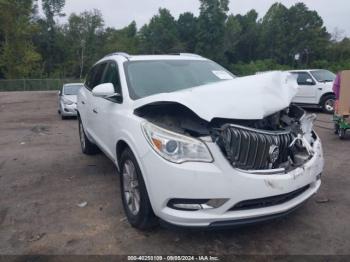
column 44, row 176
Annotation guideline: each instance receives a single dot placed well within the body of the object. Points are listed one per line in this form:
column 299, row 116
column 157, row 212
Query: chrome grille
column 250, row 149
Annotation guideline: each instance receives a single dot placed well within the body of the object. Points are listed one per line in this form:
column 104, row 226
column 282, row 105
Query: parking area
column 55, row 200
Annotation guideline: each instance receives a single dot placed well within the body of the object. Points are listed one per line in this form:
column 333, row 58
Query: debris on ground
column 36, row 237
column 322, row 200
column 82, row 204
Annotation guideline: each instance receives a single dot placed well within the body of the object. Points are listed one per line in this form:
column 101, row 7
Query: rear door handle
column 320, row 88
column 83, row 102
column 95, row 111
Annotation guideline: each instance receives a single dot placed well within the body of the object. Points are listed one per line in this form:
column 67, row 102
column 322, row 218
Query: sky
column 119, row 13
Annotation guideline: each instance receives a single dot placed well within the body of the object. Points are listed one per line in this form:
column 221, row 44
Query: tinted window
column 112, row 76
column 95, row 76
column 304, row 78
column 146, row 78
column 323, row 75
column 90, row 78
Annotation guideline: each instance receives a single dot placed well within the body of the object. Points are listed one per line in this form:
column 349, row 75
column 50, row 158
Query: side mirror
column 59, row 93
column 105, row 90
column 309, row 81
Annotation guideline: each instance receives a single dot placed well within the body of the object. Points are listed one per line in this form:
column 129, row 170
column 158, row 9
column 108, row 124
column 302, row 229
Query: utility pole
column 82, row 58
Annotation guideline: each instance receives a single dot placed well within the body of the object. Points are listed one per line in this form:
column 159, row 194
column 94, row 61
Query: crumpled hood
column 251, row 97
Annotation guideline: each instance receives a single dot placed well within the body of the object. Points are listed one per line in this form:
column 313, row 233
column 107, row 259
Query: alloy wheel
column 329, row 105
column 131, row 187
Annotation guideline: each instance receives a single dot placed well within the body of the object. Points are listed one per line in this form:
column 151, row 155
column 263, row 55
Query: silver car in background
column 67, row 102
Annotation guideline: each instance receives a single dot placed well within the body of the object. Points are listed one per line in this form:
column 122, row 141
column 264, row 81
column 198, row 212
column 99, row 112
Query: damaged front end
column 256, row 127
column 279, row 143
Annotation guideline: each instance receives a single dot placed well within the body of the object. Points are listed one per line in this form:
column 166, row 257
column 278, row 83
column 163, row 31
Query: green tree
column 249, row 38
column 123, row 40
column 187, row 29
column 233, row 30
column 49, row 36
column 307, row 35
column 211, row 28
column 18, row 57
column 274, row 33
column 160, row 35
column 84, row 38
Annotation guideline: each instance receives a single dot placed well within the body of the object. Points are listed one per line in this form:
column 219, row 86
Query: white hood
column 251, row 97
column 72, row 98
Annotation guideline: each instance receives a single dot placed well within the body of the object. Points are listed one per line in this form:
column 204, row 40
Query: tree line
column 38, row 46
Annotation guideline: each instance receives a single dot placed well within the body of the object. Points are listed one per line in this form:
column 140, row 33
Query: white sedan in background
column 67, row 103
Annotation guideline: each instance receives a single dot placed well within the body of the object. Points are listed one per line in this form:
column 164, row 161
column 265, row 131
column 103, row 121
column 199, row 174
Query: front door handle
column 320, row 88
column 83, row 102
column 95, row 111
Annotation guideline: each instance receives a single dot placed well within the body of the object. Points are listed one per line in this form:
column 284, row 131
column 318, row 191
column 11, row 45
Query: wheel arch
column 123, row 144
column 325, row 95
column 120, row 147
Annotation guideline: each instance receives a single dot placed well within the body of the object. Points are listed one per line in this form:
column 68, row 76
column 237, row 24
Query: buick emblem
column 274, row 152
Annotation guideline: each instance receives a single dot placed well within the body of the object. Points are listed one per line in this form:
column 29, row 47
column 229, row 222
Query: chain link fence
column 34, row 84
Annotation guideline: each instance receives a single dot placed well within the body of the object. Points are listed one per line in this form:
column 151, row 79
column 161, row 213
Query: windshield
column 147, row 78
column 71, row 89
column 323, row 75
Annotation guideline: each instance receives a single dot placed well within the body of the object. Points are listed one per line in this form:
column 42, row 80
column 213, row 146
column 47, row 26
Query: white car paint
column 240, row 98
column 107, row 123
column 312, row 93
column 67, row 102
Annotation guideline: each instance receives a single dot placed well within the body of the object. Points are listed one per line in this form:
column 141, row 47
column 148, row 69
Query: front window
column 323, row 75
column 147, row 78
column 71, row 89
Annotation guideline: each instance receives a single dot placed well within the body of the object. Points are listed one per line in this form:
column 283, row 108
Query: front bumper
column 218, row 180
column 68, row 110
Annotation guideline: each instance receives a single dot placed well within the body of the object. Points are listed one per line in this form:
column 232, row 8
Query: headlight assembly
column 67, row 101
column 175, row 147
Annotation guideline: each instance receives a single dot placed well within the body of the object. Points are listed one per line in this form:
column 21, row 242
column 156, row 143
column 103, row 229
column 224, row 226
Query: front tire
column 341, row 133
column 87, row 147
column 135, row 198
column 328, row 104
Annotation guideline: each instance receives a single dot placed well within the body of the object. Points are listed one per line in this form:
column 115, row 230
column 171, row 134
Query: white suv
column 315, row 89
column 196, row 146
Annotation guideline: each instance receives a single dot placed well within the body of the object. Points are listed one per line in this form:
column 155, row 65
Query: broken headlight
column 175, row 147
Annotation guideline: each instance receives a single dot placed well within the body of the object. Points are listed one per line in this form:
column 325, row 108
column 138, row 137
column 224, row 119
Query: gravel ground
column 44, row 177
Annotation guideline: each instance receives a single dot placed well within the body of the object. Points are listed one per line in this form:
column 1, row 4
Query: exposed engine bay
column 281, row 141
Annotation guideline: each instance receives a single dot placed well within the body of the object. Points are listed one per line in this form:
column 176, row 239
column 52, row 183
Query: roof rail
column 126, row 55
column 190, row 54
column 186, row 54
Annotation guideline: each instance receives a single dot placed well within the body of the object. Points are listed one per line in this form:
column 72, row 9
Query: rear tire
column 328, row 104
column 135, row 198
column 336, row 129
column 87, row 147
